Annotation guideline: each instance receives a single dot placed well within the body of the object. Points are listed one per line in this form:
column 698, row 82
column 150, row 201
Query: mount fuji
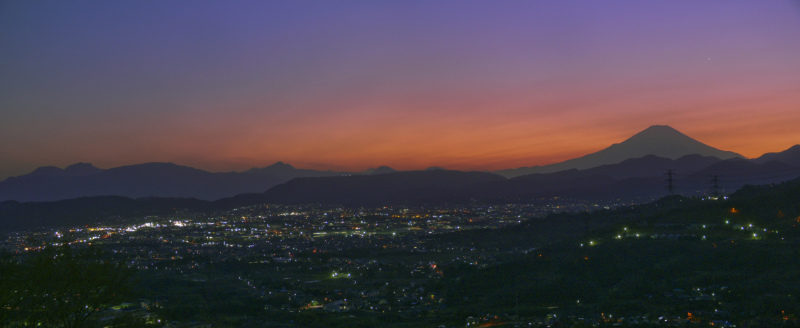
column 659, row 140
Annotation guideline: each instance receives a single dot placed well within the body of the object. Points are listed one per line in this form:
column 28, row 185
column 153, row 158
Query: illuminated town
column 399, row 164
column 283, row 264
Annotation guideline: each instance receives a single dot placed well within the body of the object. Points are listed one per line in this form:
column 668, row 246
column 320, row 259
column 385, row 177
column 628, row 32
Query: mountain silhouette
column 735, row 173
column 379, row 170
column 146, row 180
column 789, row 156
column 634, row 167
column 635, row 180
column 78, row 169
column 659, row 140
column 285, row 172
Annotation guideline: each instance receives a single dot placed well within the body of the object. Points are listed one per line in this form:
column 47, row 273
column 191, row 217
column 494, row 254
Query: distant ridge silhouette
column 146, row 180
column 634, row 180
column 380, row 170
column 659, row 140
column 634, row 167
column 789, row 156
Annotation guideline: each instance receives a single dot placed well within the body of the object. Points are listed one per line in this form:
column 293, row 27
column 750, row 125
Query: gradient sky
column 348, row 85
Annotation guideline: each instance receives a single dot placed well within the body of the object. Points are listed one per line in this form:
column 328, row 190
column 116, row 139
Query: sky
column 349, row 85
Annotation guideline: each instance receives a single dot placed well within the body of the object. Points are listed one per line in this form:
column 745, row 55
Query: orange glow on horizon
column 465, row 86
column 461, row 138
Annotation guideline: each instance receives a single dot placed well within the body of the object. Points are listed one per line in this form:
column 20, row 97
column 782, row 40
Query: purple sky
column 471, row 85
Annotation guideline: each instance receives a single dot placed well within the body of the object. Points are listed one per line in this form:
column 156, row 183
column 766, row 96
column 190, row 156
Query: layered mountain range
column 632, row 170
column 151, row 180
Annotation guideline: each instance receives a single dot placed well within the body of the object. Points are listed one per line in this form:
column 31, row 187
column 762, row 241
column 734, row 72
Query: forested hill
column 729, row 259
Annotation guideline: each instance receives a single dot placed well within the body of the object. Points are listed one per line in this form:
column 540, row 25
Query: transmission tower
column 715, row 186
column 670, row 180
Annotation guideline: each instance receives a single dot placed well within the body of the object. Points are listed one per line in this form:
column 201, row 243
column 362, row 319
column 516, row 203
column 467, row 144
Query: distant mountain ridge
column 78, row 169
column 635, row 180
column 380, row 170
column 146, row 180
column 788, row 156
column 585, row 176
column 658, row 140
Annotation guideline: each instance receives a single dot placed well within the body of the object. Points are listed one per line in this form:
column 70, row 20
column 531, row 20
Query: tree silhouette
column 60, row 287
column 9, row 291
